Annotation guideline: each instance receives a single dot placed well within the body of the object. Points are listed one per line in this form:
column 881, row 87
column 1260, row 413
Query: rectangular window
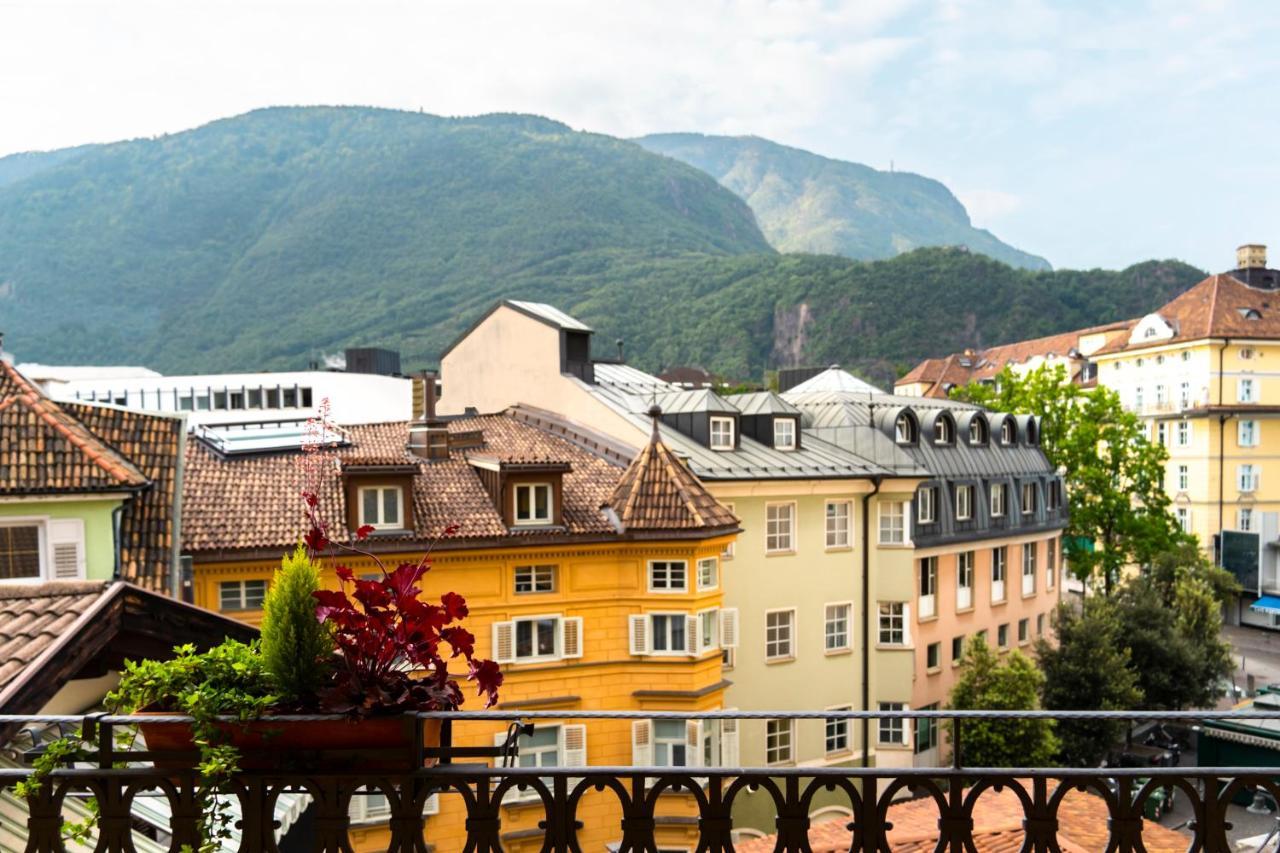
column 836, row 627
column 784, row 433
column 708, row 629
column 1137, row 397
column 780, row 524
column 932, row 655
column 1244, row 519
column 290, row 398
column 926, row 500
column 998, row 566
column 1244, row 391
column 892, row 732
column 20, row 552
column 839, row 515
column 1024, row 630
column 1028, row 498
column 533, row 503
column 779, row 631
column 837, row 733
column 957, row 649
column 381, row 507
column 668, row 576
column 1247, row 434
column 1029, row 568
column 538, row 637
column 1039, row 624
column 1051, row 563
column 1248, row 478
column 670, row 743
column 1184, row 434
column 1184, row 518
column 893, row 623
column 1184, row 478
column 1184, row 395
column 722, row 434
column 241, row 595
column 999, row 500
column 1002, row 636
column 1160, row 395
column 535, row 579
column 927, row 731
column 964, row 503
column 928, row 602
column 669, row 634
column 964, row 580
column 727, row 553
column 1053, row 500
column 892, row 523
column 778, row 738
column 1161, row 433
column 708, row 573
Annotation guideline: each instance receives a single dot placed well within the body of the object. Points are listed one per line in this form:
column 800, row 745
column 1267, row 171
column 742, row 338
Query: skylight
column 241, row 439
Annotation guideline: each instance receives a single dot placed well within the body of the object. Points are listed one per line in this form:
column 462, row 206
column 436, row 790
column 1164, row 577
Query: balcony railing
column 552, row 796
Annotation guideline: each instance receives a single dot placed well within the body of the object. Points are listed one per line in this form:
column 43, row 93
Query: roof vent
column 1251, row 256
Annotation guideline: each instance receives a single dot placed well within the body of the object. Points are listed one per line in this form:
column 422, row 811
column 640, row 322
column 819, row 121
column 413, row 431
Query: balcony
column 1039, row 809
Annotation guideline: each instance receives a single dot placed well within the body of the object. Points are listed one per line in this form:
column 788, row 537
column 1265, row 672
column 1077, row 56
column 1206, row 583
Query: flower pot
column 379, row 744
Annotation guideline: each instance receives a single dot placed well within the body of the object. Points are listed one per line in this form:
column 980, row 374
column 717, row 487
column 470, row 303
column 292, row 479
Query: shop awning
column 1266, row 604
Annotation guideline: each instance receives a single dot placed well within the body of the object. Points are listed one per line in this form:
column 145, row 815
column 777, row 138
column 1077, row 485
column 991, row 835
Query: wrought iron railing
column 553, row 797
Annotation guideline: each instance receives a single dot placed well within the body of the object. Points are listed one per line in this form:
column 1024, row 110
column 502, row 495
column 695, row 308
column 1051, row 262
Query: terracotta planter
column 376, row 744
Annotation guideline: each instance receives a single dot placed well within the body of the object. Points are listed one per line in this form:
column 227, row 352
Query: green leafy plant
column 297, row 649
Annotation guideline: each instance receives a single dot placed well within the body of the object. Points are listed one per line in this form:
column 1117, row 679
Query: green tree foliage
column 296, row 647
column 1087, row 669
column 1114, row 475
column 183, row 253
column 988, row 684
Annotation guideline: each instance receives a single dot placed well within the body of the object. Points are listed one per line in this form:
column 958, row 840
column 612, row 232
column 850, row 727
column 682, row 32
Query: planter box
column 376, row 743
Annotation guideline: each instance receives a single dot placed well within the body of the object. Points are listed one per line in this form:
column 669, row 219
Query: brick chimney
column 428, row 435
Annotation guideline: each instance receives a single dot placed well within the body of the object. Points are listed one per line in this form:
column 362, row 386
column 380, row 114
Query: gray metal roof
column 762, row 403
column 834, row 379
column 550, row 314
column 683, row 401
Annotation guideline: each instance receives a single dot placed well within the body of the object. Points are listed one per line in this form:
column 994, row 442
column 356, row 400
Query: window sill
column 896, row 546
column 835, row 549
column 831, row 653
column 999, row 602
column 895, row 747
column 1027, row 595
column 963, row 610
column 894, row 647
column 786, row 552
column 932, row 617
column 774, row 661
column 932, row 670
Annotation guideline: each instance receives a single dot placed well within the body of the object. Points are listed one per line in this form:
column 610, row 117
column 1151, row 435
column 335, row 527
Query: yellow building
column 597, row 586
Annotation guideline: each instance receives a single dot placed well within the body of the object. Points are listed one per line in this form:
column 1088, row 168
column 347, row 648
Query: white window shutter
column 906, row 624
column 729, row 742
column 642, row 743
column 432, row 805
column 906, row 727
column 573, row 744
column 571, row 637
column 504, row 642
column 693, row 742
column 691, row 635
column 66, row 548
column 729, row 628
column 639, row 634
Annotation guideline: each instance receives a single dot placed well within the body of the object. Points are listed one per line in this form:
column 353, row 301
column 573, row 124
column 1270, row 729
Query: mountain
column 808, row 203
column 267, row 240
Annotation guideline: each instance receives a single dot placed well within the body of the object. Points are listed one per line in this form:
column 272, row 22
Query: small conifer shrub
column 297, row 648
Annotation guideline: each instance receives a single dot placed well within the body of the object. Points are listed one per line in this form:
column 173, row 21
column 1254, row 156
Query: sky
column 1094, row 134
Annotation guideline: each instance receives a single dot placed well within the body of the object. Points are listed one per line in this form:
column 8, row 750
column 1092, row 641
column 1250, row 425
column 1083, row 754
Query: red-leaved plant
column 385, row 635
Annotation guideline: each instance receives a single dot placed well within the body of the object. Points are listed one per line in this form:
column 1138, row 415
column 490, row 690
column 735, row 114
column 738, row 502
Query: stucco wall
column 99, row 540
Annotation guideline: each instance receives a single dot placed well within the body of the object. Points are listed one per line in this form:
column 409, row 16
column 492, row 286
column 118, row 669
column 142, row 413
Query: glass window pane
column 390, row 506
column 546, row 636
column 369, row 509
column 524, row 639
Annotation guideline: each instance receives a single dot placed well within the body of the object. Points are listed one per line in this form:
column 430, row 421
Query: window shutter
column 693, row 742
column 906, row 624
column 906, row 727
column 571, row 637
column 504, row 642
column 729, row 742
column 66, row 543
column 729, row 628
column 642, row 743
column 432, row 805
column 639, row 634
column 691, row 635
column 573, row 745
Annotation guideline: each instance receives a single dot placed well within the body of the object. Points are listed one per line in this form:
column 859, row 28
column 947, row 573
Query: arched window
column 944, row 431
column 1008, row 432
column 905, row 429
column 978, row 431
column 1032, row 432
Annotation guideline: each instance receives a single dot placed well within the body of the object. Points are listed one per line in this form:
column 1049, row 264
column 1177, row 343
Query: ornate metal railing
column 551, row 798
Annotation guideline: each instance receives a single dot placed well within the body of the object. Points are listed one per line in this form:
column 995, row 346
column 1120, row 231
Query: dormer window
column 1008, row 432
column 944, row 432
column 1250, row 313
column 533, row 503
column 905, row 429
column 382, row 507
column 722, row 433
column 978, row 431
column 1031, row 430
column 784, row 433
column 1150, row 332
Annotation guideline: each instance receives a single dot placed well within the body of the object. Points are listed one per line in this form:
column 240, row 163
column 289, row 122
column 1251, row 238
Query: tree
column 1114, row 475
column 1089, row 669
column 987, row 684
column 296, row 647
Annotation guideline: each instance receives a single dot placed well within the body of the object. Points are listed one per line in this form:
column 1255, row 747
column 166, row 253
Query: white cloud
column 987, row 207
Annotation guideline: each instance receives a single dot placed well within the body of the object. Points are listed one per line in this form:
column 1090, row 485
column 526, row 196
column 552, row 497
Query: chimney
column 1251, row 256
column 428, row 435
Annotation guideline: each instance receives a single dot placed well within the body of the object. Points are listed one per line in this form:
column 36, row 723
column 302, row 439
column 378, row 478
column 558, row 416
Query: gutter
column 179, row 477
column 866, row 617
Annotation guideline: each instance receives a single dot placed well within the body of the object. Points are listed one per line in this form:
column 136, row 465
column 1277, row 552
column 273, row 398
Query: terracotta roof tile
column 32, row 616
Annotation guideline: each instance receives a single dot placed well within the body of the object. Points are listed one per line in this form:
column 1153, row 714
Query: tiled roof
column 46, row 450
column 33, row 616
column 253, row 501
column 658, row 492
column 997, row 827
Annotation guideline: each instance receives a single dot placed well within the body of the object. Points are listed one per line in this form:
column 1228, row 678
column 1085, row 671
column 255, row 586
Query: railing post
column 715, row 824
column 44, row 820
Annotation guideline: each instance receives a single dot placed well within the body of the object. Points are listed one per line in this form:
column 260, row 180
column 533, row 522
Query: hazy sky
column 1095, row 134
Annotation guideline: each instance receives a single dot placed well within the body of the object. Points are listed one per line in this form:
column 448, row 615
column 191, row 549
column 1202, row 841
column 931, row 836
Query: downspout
column 175, row 558
column 1222, row 429
column 866, row 617
column 116, row 515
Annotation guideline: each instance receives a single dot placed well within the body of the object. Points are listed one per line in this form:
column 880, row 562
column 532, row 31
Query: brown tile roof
column 658, row 492
column 33, row 616
column 253, row 502
column 46, row 450
column 997, row 827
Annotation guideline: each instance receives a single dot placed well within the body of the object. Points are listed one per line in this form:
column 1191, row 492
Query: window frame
column 1243, row 395
column 1002, row 490
column 897, row 727
column 791, row 529
column 882, row 516
column 243, row 606
column 844, row 731
column 927, row 588
column 898, row 623
column 1252, row 433
column 1028, row 489
column 792, row 426
column 1182, row 435
column 828, row 620
column 776, row 729
column 961, row 573
column 714, row 582
column 964, row 502
column 44, row 563
column 789, row 627
column 668, row 589
column 557, row 638
column 1030, row 560
column 533, row 520
column 927, row 505
column 1000, row 559
column 720, row 420
column 1253, row 473
column 672, row 618
column 828, row 518
column 535, row 578
column 381, row 490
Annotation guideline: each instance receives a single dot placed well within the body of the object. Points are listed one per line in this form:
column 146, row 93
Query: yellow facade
column 603, row 585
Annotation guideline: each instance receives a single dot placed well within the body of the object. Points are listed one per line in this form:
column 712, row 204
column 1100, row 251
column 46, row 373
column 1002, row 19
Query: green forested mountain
column 808, row 203
column 269, row 239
